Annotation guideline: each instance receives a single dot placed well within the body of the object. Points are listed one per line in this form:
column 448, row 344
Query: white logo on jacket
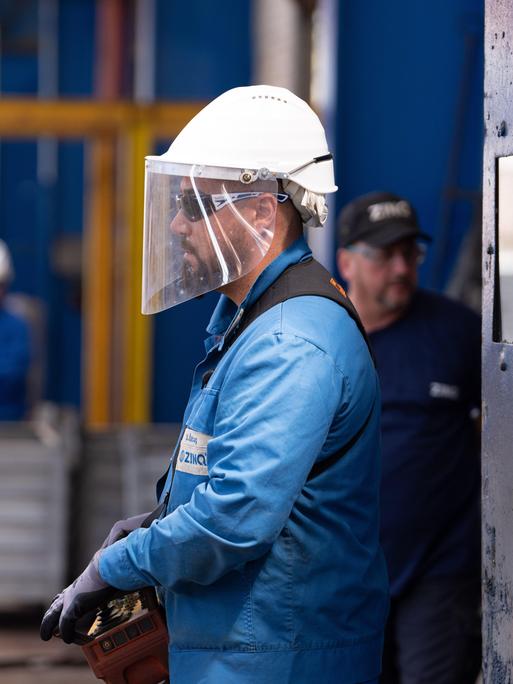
column 440, row 390
column 192, row 456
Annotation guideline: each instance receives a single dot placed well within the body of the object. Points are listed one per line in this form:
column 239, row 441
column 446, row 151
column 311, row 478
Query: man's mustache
column 400, row 280
column 187, row 247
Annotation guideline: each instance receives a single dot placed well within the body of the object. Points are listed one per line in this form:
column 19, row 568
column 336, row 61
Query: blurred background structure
column 88, row 88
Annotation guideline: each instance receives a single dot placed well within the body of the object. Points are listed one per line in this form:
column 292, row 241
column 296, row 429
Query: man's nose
column 180, row 226
column 400, row 263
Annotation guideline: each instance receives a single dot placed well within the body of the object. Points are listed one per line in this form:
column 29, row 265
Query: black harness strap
column 304, row 279
column 320, row 466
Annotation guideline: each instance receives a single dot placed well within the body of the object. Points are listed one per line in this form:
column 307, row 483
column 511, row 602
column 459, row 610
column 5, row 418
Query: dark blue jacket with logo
column 268, row 576
column 429, row 363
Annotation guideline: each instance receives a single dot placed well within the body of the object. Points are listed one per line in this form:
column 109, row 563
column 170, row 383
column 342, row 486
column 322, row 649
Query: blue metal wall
column 67, row 201
column 401, row 70
column 204, row 48
column 33, row 214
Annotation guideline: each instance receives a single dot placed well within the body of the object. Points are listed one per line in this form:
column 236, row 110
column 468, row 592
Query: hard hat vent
column 254, row 131
column 268, row 97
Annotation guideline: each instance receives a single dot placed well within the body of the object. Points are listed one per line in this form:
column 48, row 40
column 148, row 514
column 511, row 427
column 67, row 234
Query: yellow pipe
column 137, row 371
column 97, row 285
column 30, row 118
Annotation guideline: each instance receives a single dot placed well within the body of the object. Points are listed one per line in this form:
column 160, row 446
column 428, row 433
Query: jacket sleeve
column 15, row 356
column 14, row 366
column 275, row 408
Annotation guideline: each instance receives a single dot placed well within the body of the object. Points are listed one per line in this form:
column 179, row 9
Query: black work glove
column 86, row 593
column 123, row 527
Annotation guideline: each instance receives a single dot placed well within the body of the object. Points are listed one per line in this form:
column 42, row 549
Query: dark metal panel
column 497, row 362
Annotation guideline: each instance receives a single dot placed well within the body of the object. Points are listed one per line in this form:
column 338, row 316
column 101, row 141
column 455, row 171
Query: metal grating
column 33, row 515
column 119, row 471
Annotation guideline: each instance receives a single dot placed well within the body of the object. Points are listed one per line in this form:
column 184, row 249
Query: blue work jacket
column 14, row 365
column 268, row 576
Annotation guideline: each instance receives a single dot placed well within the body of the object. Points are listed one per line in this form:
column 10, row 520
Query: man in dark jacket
column 427, row 349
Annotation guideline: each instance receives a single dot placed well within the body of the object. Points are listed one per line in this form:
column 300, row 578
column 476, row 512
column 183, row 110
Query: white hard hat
column 6, row 268
column 255, row 128
column 200, row 232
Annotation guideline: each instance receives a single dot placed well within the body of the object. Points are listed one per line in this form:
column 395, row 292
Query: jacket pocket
column 214, row 616
column 275, row 594
column 191, row 460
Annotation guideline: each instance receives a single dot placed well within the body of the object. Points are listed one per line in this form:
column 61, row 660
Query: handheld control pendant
column 127, row 642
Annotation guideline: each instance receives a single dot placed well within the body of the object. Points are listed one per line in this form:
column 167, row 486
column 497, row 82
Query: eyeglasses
column 193, row 207
column 412, row 254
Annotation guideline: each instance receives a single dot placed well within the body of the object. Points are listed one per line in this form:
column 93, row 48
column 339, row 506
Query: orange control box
column 133, row 651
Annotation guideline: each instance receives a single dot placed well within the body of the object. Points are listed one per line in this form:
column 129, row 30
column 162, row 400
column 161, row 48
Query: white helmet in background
column 210, row 200
column 6, row 268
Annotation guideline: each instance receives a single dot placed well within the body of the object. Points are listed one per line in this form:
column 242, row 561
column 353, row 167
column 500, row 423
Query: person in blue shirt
column 266, row 555
column 14, row 349
column 427, row 349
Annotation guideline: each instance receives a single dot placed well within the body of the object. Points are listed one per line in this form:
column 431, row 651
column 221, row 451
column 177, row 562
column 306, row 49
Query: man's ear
column 266, row 209
column 345, row 264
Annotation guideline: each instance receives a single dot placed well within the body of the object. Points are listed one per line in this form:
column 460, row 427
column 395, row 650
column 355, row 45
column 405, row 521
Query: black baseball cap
column 379, row 219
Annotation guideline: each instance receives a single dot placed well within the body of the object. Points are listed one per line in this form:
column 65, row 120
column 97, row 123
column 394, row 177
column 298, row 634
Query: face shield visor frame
column 204, row 227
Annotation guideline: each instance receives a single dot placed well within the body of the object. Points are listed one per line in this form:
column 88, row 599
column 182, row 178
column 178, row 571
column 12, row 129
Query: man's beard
column 205, row 272
column 197, row 273
column 393, row 301
column 194, row 275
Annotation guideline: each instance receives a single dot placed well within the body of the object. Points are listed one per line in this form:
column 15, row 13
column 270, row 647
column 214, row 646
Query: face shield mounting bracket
column 248, row 176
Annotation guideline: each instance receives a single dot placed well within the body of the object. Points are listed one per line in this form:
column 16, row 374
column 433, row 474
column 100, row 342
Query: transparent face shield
column 204, row 227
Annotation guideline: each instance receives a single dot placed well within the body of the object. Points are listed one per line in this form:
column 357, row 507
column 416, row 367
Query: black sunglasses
column 195, row 209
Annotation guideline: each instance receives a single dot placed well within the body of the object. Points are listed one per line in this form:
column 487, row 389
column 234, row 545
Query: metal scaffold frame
column 117, row 371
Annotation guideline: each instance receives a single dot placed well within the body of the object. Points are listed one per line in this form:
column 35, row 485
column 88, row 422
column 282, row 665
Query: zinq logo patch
column 192, row 457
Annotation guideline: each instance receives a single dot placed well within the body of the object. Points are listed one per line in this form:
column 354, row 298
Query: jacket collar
column 227, row 314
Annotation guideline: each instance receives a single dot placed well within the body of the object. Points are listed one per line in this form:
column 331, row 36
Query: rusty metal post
column 497, row 360
column 282, row 39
